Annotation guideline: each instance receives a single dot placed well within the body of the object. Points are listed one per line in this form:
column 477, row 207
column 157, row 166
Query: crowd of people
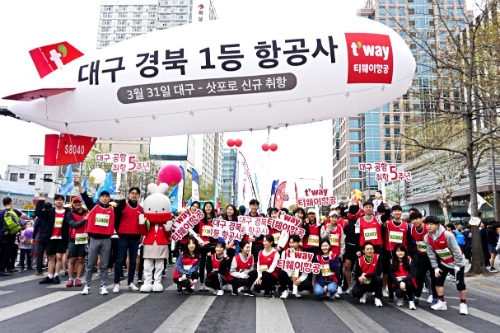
column 362, row 250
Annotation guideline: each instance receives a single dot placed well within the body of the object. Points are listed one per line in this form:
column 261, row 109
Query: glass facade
column 229, row 157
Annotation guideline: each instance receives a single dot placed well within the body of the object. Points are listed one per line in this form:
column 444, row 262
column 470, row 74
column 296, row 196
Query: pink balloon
column 170, row 174
column 273, row 147
column 265, row 147
column 230, row 142
column 238, row 142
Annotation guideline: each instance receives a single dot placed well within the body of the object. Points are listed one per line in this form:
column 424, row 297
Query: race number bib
column 58, row 222
column 276, row 238
column 262, row 268
column 313, row 240
column 395, row 237
column 82, row 238
column 102, row 220
column 187, row 267
column 326, row 271
column 370, row 233
column 444, row 254
column 421, row 247
column 205, row 231
column 334, row 240
column 400, row 278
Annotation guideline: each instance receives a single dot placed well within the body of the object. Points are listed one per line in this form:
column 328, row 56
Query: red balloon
column 265, row 147
column 273, row 147
column 238, row 142
column 230, row 142
column 170, row 174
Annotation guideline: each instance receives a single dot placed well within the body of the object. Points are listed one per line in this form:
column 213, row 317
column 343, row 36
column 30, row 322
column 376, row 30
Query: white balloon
column 372, row 65
column 98, row 174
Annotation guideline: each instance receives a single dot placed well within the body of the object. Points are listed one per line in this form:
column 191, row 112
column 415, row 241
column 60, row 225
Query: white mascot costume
column 156, row 225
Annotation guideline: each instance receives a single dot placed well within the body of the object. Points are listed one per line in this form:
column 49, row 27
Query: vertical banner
column 244, row 190
column 296, row 196
column 249, row 176
column 67, row 184
column 280, row 195
column 216, row 196
column 180, row 190
column 195, row 196
column 173, row 196
column 258, row 194
column 274, row 187
column 233, row 186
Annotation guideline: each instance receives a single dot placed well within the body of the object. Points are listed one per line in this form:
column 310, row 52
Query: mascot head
column 157, row 204
column 356, row 195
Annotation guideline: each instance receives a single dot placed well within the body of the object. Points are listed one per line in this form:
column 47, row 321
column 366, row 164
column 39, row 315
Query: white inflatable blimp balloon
column 98, row 175
column 219, row 76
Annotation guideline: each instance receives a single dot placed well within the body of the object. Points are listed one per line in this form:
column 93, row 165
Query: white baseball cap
column 335, row 206
column 333, row 213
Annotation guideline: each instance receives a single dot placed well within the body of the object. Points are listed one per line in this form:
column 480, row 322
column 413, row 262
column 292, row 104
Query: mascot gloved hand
column 157, row 233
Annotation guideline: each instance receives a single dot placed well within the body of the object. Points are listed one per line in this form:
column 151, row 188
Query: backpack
column 11, row 222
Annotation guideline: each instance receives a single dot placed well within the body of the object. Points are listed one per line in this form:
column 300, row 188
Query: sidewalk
column 488, row 284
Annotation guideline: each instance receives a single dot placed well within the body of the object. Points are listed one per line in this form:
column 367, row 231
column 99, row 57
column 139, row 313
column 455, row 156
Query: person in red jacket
column 186, row 270
column 313, row 231
column 78, row 241
column 203, row 229
column 267, row 268
column 217, row 269
column 402, row 272
column 256, row 242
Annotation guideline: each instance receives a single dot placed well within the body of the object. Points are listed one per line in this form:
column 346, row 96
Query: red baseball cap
column 76, row 199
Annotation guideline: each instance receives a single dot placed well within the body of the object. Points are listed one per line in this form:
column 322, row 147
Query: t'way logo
column 370, row 58
column 52, row 57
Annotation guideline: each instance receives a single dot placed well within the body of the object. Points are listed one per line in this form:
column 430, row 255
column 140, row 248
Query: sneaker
column 332, row 297
column 434, row 301
column 348, row 291
column 385, row 293
column 37, row 274
column 220, row 293
column 179, row 290
column 399, row 302
column 493, row 270
column 116, row 288
column 47, row 280
column 189, row 291
column 103, row 291
column 98, row 273
column 64, row 274
column 56, row 279
column 298, row 295
column 430, row 299
column 7, row 274
column 411, row 305
column 337, row 295
column 416, row 299
column 269, row 296
column 132, row 287
column 234, row 292
column 24, row 269
column 203, row 287
column 463, row 309
column 13, row 270
column 339, row 291
column 70, row 283
column 425, row 290
column 439, row 306
column 139, row 281
column 85, row 291
column 249, row 292
column 378, row 302
column 78, row 283
column 284, row 294
column 362, row 300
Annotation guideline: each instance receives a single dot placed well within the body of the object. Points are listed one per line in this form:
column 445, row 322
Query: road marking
column 184, row 319
column 20, row 280
column 173, row 286
column 355, row 319
column 62, row 285
column 481, row 314
column 453, row 297
column 432, row 320
column 479, row 284
column 3, row 292
column 89, row 320
column 28, row 306
column 278, row 322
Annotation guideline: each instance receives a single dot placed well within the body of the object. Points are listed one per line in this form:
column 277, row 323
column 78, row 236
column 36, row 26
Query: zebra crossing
column 203, row 312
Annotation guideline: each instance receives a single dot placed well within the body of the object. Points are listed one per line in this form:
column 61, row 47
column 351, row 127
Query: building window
column 387, row 145
column 398, row 158
column 355, row 160
column 32, row 176
column 397, row 120
column 387, row 158
column 381, row 11
column 354, row 123
column 397, row 131
column 13, row 177
column 355, row 173
column 387, row 120
column 355, row 148
column 355, row 185
column 47, row 175
column 21, row 176
column 36, row 161
column 110, row 147
column 355, row 135
column 31, row 183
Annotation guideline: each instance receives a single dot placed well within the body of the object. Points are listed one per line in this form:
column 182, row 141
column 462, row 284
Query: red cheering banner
column 228, row 230
column 317, row 197
column 384, row 173
column 279, row 197
column 299, row 261
column 185, row 222
column 253, row 226
column 287, row 223
column 66, row 148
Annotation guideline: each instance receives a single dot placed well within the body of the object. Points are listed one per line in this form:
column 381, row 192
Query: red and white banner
column 185, row 222
column 287, row 223
column 253, row 226
column 385, row 173
column 228, row 230
column 317, row 198
column 52, row 57
column 122, row 162
column 279, row 197
column 66, row 148
column 299, row 260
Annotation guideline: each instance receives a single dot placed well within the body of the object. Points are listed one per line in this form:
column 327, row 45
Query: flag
column 52, row 57
column 195, row 196
column 480, row 202
column 174, row 202
column 180, row 195
column 246, row 170
column 257, row 191
column 67, row 184
column 106, row 186
column 280, row 195
column 274, row 186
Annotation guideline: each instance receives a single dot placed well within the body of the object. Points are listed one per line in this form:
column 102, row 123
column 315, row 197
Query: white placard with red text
column 185, row 222
column 253, row 226
column 318, row 197
column 228, row 230
column 123, row 162
column 299, row 260
column 384, row 173
column 287, row 223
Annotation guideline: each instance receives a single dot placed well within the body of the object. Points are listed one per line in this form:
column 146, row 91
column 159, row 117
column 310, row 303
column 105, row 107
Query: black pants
column 114, row 253
column 269, row 282
column 444, row 272
column 231, row 253
column 285, row 280
column 468, row 251
column 238, row 282
column 340, row 273
column 203, row 262
column 256, row 248
column 186, row 283
column 410, row 290
column 424, row 266
column 25, row 254
column 13, row 257
column 42, row 246
column 486, row 255
column 375, row 286
column 215, row 281
column 7, row 247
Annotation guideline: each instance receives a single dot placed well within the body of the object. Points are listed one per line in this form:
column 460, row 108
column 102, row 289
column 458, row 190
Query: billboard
column 170, row 148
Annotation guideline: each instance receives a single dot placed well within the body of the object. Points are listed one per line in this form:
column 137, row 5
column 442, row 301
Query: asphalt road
column 26, row 306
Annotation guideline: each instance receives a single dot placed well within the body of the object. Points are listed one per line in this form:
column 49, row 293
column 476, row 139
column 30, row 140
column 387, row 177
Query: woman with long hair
column 208, row 245
column 267, row 268
column 231, row 214
column 326, row 280
column 402, row 274
column 186, row 270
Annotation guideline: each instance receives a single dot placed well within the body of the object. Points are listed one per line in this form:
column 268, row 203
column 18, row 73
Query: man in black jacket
column 56, row 230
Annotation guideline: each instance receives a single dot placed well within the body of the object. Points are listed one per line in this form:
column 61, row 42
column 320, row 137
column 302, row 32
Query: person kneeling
column 403, row 275
column 367, row 275
column 186, row 271
column 217, row 268
column 326, row 280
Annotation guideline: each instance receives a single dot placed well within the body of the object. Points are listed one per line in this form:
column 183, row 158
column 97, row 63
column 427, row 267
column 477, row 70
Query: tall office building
column 229, row 157
column 373, row 136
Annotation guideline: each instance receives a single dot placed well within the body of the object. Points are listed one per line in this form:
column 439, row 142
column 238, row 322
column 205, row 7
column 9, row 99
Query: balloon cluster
column 272, row 147
column 236, row 142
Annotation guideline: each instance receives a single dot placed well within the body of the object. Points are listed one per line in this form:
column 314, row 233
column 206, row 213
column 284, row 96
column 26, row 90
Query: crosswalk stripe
column 432, row 320
column 98, row 315
column 173, row 286
column 3, row 292
column 10, row 282
column 481, row 314
column 355, row 319
column 28, row 306
column 278, row 322
column 184, row 319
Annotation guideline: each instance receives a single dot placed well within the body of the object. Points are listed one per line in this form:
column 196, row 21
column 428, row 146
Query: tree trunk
column 444, row 207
